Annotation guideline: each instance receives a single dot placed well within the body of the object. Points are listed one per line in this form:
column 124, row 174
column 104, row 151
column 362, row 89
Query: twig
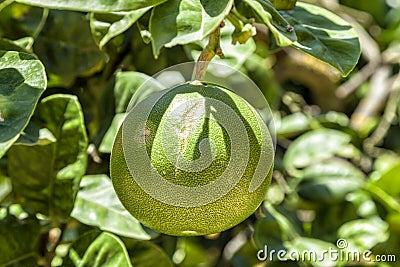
column 371, row 52
column 388, row 117
column 373, row 102
column 357, row 80
column 213, row 48
column 41, row 25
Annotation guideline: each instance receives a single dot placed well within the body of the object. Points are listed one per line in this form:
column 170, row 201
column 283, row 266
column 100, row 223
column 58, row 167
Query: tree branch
column 213, row 48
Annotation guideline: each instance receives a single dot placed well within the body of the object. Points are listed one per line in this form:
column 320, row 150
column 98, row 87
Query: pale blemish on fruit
column 145, row 134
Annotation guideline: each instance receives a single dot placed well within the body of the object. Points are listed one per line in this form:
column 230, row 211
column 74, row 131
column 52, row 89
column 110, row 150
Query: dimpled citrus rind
column 193, row 130
column 217, row 216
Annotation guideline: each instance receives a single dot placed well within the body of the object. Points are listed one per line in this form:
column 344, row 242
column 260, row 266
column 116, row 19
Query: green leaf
column 279, row 225
column 267, row 231
column 49, row 179
column 329, row 218
column 8, row 45
column 389, row 181
column 98, row 205
column 94, row 5
column 364, row 204
column 244, row 256
column 19, row 21
column 118, row 94
column 18, row 239
column 384, row 163
column 325, row 36
column 22, row 82
column 126, row 85
column 179, row 22
column 277, row 24
column 328, row 190
column 313, row 147
column 108, row 139
column 70, row 51
column 293, row 124
column 147, row 254
column 329, row 181
column 284, row 4
column 5, row 187
column 5, row 145
column 190, row 251
column 364, row 234
column 34, row 135
column 331, row 169
column 107, row 26
column 96, row 249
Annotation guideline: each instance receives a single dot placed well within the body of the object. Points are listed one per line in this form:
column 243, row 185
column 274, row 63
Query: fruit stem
column 235, row 21
column 213, row 48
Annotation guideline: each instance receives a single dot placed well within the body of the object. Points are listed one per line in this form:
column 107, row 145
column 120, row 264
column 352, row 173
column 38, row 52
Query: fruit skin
column 217, row 216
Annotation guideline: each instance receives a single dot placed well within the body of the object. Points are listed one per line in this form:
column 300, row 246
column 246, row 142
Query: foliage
column 68, row 70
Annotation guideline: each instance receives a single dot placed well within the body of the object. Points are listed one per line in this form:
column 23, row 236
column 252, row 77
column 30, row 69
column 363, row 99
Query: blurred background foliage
column 337, row 167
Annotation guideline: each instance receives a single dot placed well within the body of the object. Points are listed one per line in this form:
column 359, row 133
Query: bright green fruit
column 192, row 160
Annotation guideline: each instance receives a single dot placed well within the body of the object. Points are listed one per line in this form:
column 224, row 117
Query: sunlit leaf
column 93, row 6
column 325, row 36
column 314, row 146
column 293, row 124
column 389, row 181
column 5, row 187
column 98, row 205
column 280, row 28
column 179, row 22
column 34, row 135
column 22, row 81
column 364, row 234
column 106, row 26
column 9, row 45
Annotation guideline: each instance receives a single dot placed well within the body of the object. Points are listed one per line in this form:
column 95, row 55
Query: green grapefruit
column 195, row 159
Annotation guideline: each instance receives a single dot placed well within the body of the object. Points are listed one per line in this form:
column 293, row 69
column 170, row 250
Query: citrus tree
column 69, row 71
